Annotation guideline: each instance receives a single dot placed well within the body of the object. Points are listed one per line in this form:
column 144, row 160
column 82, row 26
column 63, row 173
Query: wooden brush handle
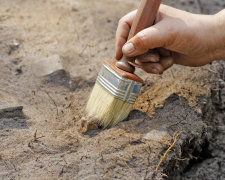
column 144, row 18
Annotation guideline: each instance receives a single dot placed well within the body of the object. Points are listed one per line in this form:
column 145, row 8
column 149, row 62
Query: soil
column 44, row 132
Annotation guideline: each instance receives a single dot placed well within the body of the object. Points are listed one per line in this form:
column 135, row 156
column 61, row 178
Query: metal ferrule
column 122, row 88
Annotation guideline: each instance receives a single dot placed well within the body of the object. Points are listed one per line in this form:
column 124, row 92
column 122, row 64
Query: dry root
column 175, row 136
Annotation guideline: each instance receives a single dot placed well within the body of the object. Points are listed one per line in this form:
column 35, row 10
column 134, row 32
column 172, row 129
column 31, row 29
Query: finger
column 167, row 62
column 119, row 45
column 149, row 57
column 153, row 68
column 157, row 68
column 150, row 38
column 163, row 52
column 123, row 32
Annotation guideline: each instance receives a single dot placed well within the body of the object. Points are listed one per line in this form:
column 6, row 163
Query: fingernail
column 128, row 48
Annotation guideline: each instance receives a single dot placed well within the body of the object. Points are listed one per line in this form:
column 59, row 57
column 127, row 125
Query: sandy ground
column 44, row 132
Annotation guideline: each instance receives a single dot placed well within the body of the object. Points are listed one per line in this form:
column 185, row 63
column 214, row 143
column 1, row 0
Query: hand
column 178, row 37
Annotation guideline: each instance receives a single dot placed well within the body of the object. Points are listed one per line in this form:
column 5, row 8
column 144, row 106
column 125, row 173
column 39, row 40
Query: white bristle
column 107, row 109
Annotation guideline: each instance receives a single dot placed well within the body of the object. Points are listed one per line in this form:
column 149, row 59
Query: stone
column 157, row 134
column 47, row 65
column 11, row 113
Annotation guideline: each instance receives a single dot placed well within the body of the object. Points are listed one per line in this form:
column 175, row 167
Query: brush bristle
column 107, row 109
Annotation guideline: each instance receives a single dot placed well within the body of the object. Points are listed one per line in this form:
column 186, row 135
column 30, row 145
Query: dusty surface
column 73, row 36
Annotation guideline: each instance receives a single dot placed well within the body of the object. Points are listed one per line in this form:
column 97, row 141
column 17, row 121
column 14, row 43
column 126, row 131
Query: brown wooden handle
column 144, row 18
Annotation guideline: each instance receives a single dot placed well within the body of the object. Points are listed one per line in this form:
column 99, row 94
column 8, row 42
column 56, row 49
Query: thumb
column 146, row 39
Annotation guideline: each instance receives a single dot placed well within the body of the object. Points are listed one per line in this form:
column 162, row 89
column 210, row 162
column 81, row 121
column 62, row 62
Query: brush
column 117, row 87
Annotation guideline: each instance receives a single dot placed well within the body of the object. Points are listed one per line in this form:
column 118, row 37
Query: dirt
column 44, row 132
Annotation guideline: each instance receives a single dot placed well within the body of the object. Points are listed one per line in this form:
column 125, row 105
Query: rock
column 13, row 46
column 89, row 127
column 63, row 78
column 47, row 65
column 11, row 113
column 157, row 135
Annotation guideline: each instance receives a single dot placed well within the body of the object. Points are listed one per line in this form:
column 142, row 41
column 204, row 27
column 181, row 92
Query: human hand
column 178, row 37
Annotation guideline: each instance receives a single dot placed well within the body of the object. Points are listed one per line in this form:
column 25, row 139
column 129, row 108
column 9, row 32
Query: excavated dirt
column 50, row 55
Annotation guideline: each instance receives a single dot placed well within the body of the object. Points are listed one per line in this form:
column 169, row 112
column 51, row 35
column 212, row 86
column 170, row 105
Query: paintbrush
column 117, row 87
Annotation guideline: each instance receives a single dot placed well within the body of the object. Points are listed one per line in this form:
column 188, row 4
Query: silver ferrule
column 122, row 88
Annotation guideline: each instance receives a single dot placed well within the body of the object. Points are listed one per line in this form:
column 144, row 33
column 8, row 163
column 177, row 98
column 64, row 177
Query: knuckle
column 121, row 21
column 140, row 40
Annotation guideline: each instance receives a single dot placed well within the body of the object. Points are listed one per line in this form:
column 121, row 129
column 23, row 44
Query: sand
column 44, row 132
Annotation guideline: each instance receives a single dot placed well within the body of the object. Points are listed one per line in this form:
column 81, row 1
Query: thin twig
column 1, row 156
column 171, row 71
column 53, row 101
column 85, row 47
column 34, row 139
column 149, row 101
column 177, row 123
